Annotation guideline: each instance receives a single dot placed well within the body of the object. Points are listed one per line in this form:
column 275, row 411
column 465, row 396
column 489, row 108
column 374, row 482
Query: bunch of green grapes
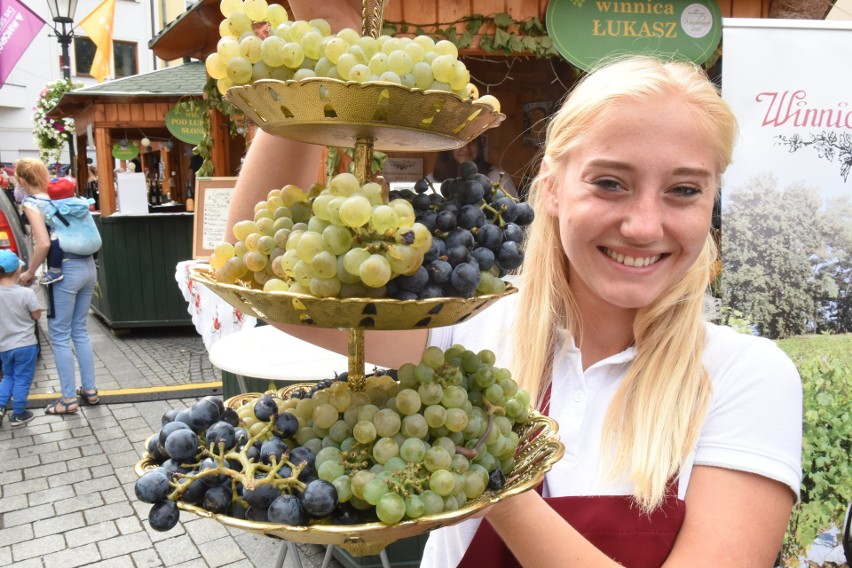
column 258, row 41
column 342, row 242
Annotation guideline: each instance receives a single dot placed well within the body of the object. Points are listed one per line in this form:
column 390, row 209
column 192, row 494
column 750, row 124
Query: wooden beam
column 106, row 176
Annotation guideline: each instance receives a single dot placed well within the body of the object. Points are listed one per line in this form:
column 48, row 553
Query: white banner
column 790, row 85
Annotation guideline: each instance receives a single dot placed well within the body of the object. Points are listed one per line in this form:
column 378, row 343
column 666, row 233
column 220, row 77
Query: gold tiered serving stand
column 387, row 117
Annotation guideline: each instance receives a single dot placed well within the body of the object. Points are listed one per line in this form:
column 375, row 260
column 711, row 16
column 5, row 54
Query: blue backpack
column 73, row 224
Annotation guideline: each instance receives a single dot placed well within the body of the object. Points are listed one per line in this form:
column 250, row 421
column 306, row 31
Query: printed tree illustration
column 827, row 144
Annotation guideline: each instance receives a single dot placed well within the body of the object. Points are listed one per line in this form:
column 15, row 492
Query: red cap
column 61, row 188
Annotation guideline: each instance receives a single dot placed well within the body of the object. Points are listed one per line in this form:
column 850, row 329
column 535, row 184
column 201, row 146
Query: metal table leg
column 287, row 547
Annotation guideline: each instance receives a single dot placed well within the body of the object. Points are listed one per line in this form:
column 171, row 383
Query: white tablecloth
column 213, row 317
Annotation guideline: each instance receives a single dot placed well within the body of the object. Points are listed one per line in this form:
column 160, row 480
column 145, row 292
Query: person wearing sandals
column 72, row 297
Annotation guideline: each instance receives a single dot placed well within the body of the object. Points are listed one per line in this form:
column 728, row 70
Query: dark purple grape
column 471, row 216
column 465, row 279
column 509, row 255
column 460, row 237
column 212, row 480
column 421, row 185
column 152, row 486
column 415, row 282
column 496, row 480
column 184, row 417
column 303, row 455
column 203, row 414
column 513, row 232
column 253, row 453
column 287, row 510
column 431, row 291
column 272, row 449
column 265, row 407
column 218, row 402
column 471, row 192
column 169, row 416
column 241, row 437
column 221, row 433
column 421, row 202
column 195, row 492
column 257, row 515
column 164, row 516
column 506, row 207
column 468, row 169
column 218, row 499
column 238, row 511
column 458, row 255
column 152, row 446
column 182, row 445
column 489, row 236
column 286, row 425
column 445, row 221
column 484, row 258
column 524, row 214
column 319, row 498
column 439, row 272
column 260, row 497
column 168, row 429
column 173, row 466
column 231, row 417
column 428, row 219
column 436, row 250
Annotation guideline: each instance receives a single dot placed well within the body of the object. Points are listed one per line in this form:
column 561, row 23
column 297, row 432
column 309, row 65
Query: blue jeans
column 18, row 370
column 72, row 297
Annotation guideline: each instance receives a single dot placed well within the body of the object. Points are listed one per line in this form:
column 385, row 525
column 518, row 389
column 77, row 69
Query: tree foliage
column 774, row 249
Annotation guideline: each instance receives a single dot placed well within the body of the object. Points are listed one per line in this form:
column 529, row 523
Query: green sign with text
column 585, row 31
column 185, row 126
column 128, row 152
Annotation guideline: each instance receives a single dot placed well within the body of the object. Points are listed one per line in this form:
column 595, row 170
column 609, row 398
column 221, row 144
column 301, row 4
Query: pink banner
column 18, row 27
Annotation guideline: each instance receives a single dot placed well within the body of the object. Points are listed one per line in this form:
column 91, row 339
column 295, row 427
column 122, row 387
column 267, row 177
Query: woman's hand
column 26, row 278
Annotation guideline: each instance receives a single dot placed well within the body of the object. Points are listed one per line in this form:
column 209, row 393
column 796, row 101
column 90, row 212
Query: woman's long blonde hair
column 33, row 173
column 658, row 410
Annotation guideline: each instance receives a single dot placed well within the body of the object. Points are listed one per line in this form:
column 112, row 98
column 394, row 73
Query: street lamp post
column 62, row 13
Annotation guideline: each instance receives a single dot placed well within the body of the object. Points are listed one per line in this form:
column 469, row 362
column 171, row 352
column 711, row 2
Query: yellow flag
column 98, row 25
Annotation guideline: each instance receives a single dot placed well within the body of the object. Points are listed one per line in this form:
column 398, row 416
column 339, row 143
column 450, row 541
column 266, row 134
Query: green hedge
column 826, row 370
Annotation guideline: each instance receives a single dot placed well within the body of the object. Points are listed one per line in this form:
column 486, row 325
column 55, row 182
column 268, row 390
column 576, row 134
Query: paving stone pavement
column 66, row 482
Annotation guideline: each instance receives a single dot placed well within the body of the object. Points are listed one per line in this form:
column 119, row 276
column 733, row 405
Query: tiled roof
column 186, row 79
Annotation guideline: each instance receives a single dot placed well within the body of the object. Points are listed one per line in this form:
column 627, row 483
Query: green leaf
column 473, row 24
column 516, row 44
column 503, row 20
column 465, row 40
column 501, row 38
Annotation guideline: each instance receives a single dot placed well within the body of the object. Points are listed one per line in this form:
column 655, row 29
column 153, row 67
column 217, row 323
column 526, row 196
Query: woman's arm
column 42, row 244
column 733, row 519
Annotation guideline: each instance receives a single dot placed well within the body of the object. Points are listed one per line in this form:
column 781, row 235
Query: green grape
column 239, row 23
column 344, row 65
column 322, row 26
column 384, row 449
column 227, row 7
column 309, row 245
column 375, row 271
column 446, row 47
column 441, row 482
column 444, row 68
column 222, row 85
column 292, row 54
column 351, row 283
column 319, row 206
column 384, row 218
column 414, row 506
column 435, row 415
column 329, row 471
column 356, row 211
column 425, row 374
column 256, row 9
column 368, row 44
column 354, row 258
column 387, row 422
column 396, row 463
column 324, row 264
column 323, row 67
column 400, row 62
column 275, row 285
column 494, row 394
column 404, row 210
column 430, row 393
column 433, row 357
column 303, row 74
column 415, row 426
column 390, row 509
column 462, row 77
column 423, row 76
column 412, row 450
column 433, row 503
column 406, row 376
column 311, row 44
column 364, row 431
column 509, row 386
column 390, row 77
column 262, row 214
column 239, row 70
column 378, row 63
column 446, row 443
column 408, row 402
column 453, row 396
column 407, row 80
column 276, row 14
column 336, row 47
column 360, row 73
column 250, row 48
column 325, row 415
column 325, row 287
column 254, row 260
column 260, row 70
column 303, row 275
column 438, row 458
column 227, row 48
column 425, row 42
column 391, row 44
column 282, row 31
column 456, row 419
column 358, row 53
column 373, row 490
column 215, row 68
column 460, row 464
column 343, row 485
column 299, row 28
column 344, row 184
column 272, row 51
column 265, row 244
column 224, row 249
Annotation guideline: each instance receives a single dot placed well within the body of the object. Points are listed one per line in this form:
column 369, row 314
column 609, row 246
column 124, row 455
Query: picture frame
column 536, row 115
column 212, row 197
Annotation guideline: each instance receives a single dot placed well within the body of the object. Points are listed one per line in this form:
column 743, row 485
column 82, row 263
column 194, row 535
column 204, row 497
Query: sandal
column 61, row 407
column 91, row 397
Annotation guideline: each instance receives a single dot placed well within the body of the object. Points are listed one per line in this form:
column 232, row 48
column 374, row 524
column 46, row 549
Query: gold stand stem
column 372, row 13
column 364, row 160
column 357, row 380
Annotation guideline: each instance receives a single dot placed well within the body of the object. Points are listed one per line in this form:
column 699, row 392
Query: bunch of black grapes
column 477, row 237
column 265, row 476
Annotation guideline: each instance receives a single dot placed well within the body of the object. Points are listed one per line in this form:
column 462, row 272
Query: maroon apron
column 613, row 523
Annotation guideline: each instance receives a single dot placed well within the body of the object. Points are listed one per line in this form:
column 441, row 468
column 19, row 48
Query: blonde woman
column 72, row 296
column 682, row 438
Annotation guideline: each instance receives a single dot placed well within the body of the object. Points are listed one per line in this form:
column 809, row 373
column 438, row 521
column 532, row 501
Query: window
column 124, row 57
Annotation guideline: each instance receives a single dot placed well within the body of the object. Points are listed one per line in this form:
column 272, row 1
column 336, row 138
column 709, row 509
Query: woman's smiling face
column 634, row 199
